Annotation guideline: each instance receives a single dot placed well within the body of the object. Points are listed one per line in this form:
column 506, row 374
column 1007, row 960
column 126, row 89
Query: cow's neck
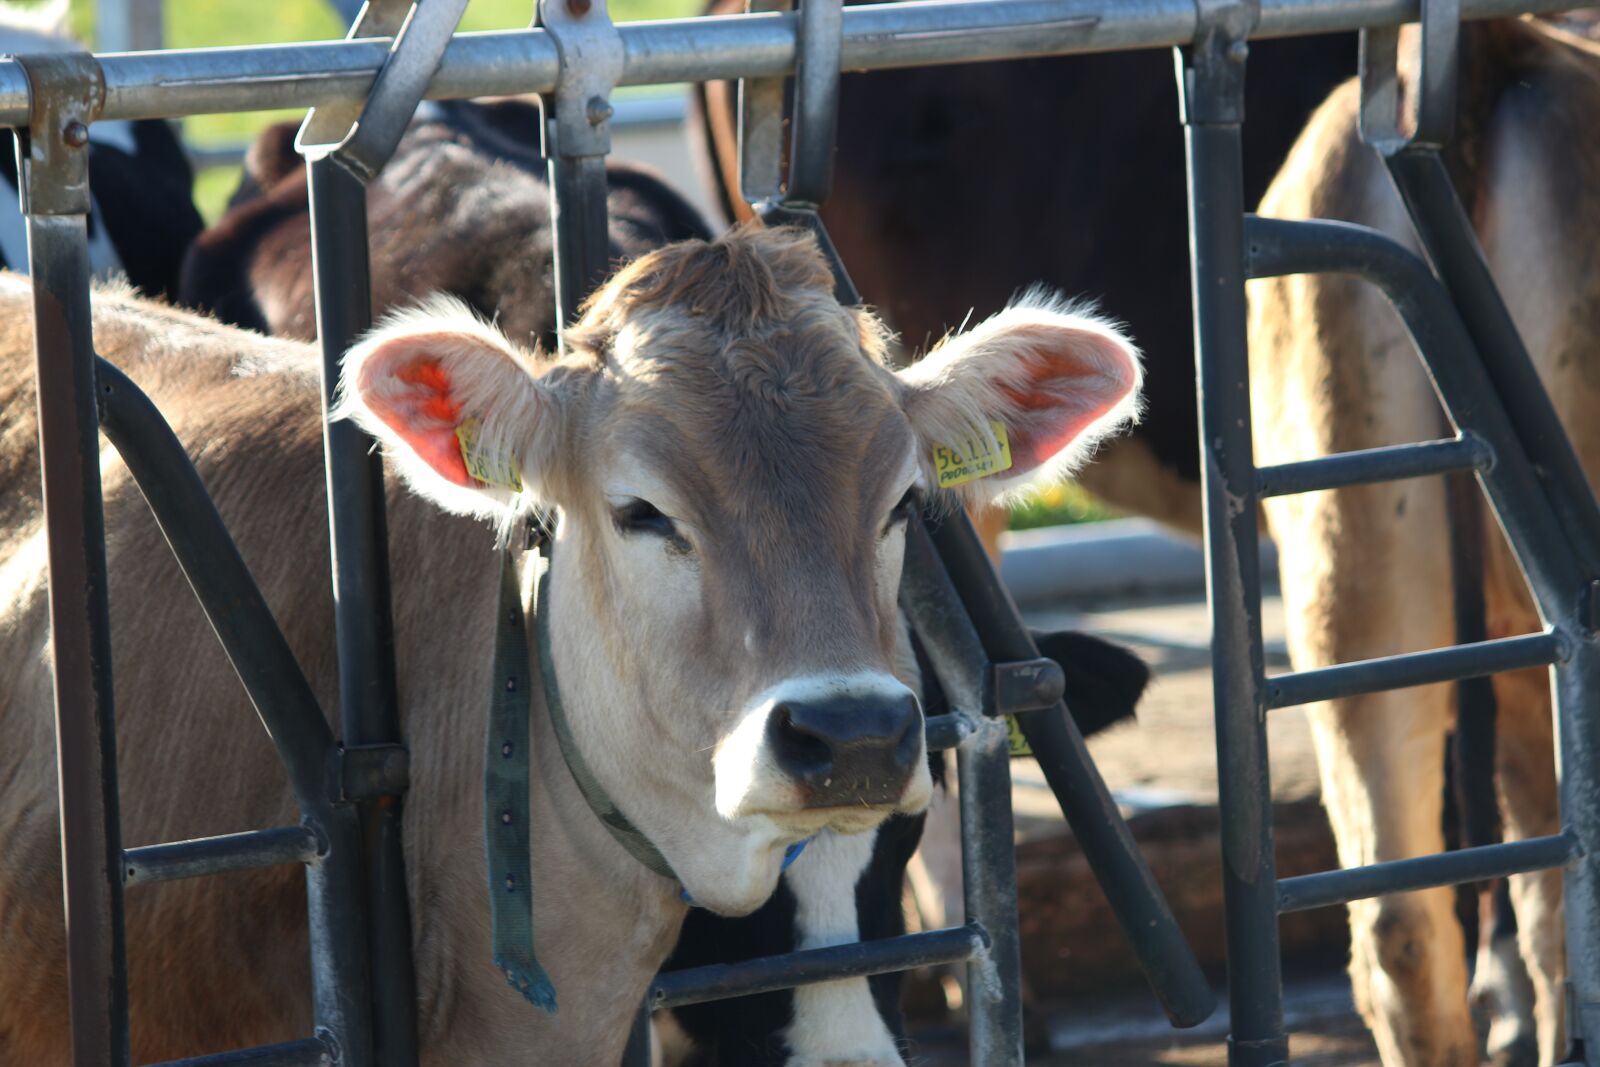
column 603, row 924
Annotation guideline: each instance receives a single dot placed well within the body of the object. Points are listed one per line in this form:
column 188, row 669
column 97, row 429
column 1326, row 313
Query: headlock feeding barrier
column 350, row 788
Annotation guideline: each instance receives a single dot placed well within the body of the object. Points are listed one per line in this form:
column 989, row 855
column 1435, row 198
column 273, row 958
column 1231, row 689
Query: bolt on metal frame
column 956, row 602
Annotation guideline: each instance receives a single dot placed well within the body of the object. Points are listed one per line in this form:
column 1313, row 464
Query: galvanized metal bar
column 361, row 138
column 761, row 127
column 1469, row 397
column 1543, row 512
column 363, row 615
column 1452, row 247
column 577, row 137
column 934, row 609
column 214, row 855
column 962, row 568
column 80, row 640
column 950, row 730
column 989, row 893
column 578, row 195
column 221, row 581
column 637, row 1052
column 1433, row 99
column 1577, row 683
column 54, row 181
column 1414, row 668
column 307, row 1053
column 695, row 985
column 175, row 83
column 1387, row 464
column 816, row 102
column 960, row 662
column 1211, row 88
column 276, row 686
column 1423, row 872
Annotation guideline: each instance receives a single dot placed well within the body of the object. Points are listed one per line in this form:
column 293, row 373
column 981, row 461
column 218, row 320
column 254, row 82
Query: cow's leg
column 1365, row 574
column 1501, row 988
column 1526, row 772
column 1383, row 796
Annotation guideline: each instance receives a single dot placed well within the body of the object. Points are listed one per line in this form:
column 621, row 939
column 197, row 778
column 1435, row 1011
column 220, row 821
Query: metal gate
column 1507, row 434
column 350, row 794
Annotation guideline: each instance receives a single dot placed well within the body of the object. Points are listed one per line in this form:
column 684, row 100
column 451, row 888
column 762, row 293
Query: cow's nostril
column 797, row 747
column 847, row 750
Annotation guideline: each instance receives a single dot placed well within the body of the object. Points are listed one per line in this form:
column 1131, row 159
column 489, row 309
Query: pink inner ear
column 1068, row 391
column 410, row 392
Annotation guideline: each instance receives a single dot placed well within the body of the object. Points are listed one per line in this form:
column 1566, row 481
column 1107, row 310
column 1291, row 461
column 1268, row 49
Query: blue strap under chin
column 790, row 854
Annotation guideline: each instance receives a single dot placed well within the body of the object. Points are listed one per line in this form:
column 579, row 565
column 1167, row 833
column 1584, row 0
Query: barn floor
column 1167, row 761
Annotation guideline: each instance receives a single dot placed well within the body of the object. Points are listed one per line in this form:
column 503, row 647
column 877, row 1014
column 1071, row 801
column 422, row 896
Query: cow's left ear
column 459, row 408
column 1021, row 398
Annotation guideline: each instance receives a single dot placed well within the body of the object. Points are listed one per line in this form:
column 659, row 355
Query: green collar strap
column 507, row 830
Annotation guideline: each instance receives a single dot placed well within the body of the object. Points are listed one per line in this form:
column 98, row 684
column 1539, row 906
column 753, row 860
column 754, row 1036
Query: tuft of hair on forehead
column 748, row 278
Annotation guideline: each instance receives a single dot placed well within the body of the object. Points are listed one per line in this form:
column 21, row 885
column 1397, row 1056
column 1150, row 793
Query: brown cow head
column 733, row 464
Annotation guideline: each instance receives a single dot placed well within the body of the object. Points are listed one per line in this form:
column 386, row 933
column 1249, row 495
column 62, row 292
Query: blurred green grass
column 214, row 23
column 1059, row 505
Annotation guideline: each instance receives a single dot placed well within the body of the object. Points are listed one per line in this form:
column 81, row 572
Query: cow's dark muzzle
column 848, row 752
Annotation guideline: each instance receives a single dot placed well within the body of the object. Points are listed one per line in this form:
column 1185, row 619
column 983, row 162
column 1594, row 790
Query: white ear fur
column 390, row 387
column 1058, row 377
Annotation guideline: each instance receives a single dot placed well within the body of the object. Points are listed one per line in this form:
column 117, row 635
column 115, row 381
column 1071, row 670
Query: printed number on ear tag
column 974, row 459
column 495, row 470
column 1019, row 744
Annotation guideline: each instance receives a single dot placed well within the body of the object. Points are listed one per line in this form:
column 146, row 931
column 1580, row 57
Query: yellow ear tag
column 975, row 459
column 1018, row 744
column 498, row 471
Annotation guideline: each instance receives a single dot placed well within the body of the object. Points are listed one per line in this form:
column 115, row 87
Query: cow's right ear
column 457, row 406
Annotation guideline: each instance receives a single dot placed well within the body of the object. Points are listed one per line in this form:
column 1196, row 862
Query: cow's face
column 733, row 466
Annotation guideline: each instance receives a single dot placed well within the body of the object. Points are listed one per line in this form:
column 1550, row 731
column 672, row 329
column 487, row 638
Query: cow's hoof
column 1522, row 1052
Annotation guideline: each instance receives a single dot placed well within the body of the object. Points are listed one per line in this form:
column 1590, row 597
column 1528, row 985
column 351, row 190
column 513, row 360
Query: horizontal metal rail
column 175, row 83
column 1424, row 872
column 719, row 981
column 1467, row 452
column 307, row 1053
column 215, row 855
column 1413, row 668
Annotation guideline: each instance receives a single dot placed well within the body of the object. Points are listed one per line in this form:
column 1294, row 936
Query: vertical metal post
column 577, row 138
column 80, row 636
column 66, row 93
column 578, row 212
column 637, row 1052
column 989, row 891
column 1137, row 901
column 1576, row 683
column 932, row 598
column 368, row 703
column 1211, row 84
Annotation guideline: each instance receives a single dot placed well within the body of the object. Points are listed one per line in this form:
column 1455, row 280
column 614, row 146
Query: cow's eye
column 641, row 516
column 912, row 501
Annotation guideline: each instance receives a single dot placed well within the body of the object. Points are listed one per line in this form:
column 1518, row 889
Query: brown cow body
column 1366, row 571
column 221, row 963
column 668, row 440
